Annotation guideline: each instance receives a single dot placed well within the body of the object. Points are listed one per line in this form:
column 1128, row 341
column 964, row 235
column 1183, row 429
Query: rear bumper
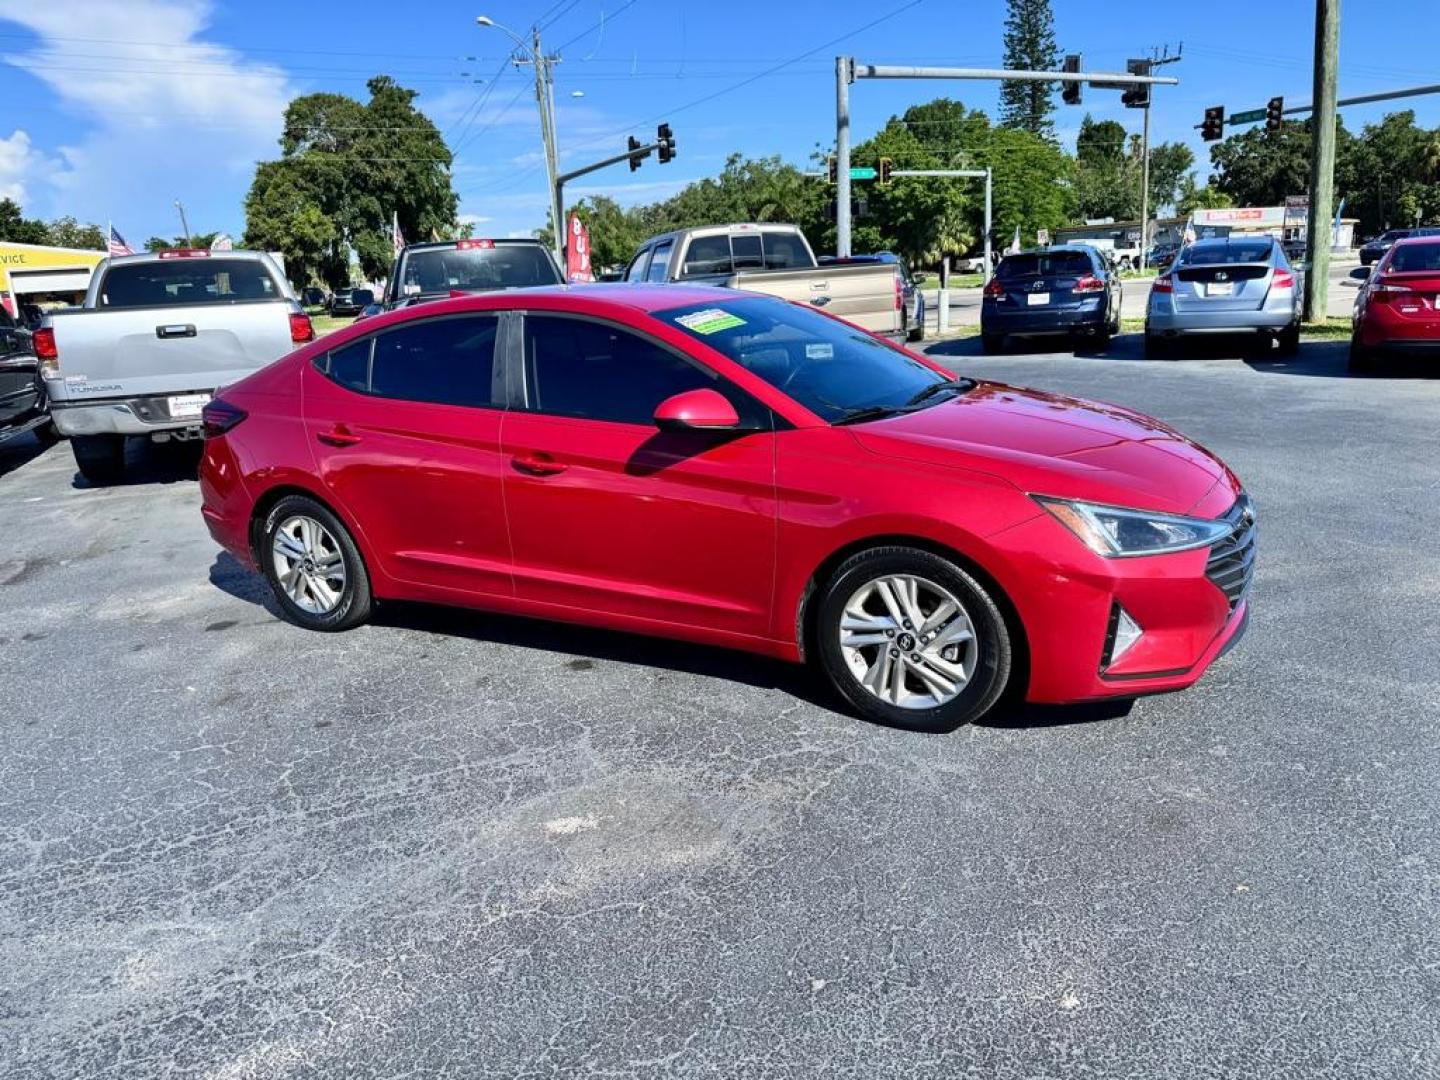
column 1389, row 331
column 1162, row 318
column 1004, row 319
column 123, row 416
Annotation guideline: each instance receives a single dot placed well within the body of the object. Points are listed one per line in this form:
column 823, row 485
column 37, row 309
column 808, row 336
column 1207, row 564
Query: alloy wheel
column 908, row 641
column 309, row 564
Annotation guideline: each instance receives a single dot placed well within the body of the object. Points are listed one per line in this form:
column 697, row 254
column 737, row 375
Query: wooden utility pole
column 1322, row 159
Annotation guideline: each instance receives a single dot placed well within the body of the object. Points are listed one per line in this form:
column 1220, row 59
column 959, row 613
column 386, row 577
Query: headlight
column 1115, row 532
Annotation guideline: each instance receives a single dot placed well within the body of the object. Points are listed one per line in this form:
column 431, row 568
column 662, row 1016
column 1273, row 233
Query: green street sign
column 870, row 174
column 1248, row 117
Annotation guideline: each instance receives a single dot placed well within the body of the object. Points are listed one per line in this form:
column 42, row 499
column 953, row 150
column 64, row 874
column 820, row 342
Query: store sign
column 1242, row 217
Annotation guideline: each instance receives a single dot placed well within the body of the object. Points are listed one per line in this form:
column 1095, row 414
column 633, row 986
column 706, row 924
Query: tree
column 1106, row 180
column 1169, row 164
column 1029, row 45
column 1256, row 168
column 1389, row 173
column 615, row 233
column 1192, row 197
column 17, row 228
column 66, row 232
column 346, row 170
column 195, row 240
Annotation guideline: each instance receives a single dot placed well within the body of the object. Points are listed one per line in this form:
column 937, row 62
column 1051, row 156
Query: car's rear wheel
column 1289, row 340
column 313, row 566
column 1158, row 348
column 992, row 343
column 1362, row 360
column 911, row 640
column 100, row 458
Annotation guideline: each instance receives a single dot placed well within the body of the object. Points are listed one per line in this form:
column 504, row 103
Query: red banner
column 577, row 252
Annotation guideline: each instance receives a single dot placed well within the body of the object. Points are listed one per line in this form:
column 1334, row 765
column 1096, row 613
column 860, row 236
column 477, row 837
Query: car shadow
column 585, row 644
column 1331, row 360
column 20, row 451
column 149, row 462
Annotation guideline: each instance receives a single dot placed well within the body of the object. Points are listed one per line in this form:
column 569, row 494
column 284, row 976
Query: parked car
column 1398, row 310
column 1372, row 250
column 156, row 335
column 910, row 284
column 1071, row 290
column 313, row 297
column 432, row 271
column 350, row 301
column 731, row 469
column 1162, row 255
column 1231, row 285
column 775, row 259
column 23, row 402
column 370, row 310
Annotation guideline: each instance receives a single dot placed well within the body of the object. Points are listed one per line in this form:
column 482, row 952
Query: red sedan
column 1398, row 310
column 732, row 469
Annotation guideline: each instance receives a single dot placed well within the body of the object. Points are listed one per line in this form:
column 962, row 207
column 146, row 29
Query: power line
column 614, row 14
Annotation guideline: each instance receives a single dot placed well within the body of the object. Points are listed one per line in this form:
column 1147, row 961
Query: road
column 450, row 844
column 965, row 303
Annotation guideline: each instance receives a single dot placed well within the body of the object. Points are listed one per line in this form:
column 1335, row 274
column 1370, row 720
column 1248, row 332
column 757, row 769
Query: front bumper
column 123, row 416
column 1066, row 608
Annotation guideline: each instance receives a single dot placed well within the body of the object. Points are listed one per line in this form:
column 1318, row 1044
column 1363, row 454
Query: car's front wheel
column 911, row 640
column 313, row 566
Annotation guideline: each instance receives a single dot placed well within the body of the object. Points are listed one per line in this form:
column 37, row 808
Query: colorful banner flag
column 117, row 245
column 577, row 253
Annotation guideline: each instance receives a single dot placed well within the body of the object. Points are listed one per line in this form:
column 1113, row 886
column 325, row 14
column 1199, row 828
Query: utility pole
column 844, row 76
column 1154, row 62
column 1322, row 159
column 545, row 99
column 184, row 225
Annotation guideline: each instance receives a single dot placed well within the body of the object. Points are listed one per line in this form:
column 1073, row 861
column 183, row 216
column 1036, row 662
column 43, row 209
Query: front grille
column 1231, row 565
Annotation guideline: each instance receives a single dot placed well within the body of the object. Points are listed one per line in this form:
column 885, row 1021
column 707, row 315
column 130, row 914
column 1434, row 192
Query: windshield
column 832, row 368
column 1057, row 263
column 190, row 280
column 1226, row 251
column 501, row 266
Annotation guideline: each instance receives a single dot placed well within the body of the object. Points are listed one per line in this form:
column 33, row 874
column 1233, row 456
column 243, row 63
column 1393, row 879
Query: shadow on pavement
column 22, row 450
column 149, row 462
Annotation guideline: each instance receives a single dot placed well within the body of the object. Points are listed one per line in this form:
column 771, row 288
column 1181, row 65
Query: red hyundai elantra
column 1398, row 310
column 736, row 470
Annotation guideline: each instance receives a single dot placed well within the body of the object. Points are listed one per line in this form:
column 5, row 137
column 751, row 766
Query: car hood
column 1050, row 444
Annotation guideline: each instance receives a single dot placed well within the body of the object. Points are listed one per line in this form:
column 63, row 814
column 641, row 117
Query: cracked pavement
column 453, row 844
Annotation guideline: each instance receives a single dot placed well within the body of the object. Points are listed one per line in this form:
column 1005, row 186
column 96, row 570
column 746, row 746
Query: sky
column 112, row 110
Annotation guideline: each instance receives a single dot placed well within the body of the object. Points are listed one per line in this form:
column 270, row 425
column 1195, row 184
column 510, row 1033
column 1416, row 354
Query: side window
column 445, row 361
column 350, row 366
column 659, row 262
column 636, row 270
column 579, row 368
column 707, row 255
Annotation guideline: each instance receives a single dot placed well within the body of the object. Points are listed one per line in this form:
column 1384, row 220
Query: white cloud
column 472, row 219
column 19, row 161
column 162, row 113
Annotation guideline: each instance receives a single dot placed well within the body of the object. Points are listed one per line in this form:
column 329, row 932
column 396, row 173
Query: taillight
column 994, row 290
column 1381, row 291
column 43, row 342
column 1089, row 283
column 1284, row 279
column 1164, row 283
column 899, row 294
column 301, row 328
column 219, row 416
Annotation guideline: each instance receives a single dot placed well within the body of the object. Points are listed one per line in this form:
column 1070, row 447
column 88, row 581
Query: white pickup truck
column 156, row 336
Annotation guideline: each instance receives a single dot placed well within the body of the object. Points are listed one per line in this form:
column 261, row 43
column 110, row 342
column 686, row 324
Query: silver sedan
column 1237, row 285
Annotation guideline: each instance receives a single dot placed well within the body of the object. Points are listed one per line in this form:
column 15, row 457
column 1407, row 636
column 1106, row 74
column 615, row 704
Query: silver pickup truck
column 156, row 336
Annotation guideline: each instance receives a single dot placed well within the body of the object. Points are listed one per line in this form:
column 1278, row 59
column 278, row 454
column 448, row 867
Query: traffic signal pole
column 1322, row 159
column 847, row 71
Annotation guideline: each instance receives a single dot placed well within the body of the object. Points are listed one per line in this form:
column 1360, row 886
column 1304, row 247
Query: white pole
column 942, row 298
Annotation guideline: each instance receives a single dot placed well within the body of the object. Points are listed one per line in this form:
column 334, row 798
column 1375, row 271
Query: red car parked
column 728, row 468
column 1398, row 310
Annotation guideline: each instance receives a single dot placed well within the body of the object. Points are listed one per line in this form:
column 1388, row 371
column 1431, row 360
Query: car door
column 609, row 514
column 405, row 429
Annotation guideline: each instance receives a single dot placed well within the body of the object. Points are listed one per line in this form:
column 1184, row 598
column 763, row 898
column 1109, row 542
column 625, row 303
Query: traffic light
column 1137, row 97
column 858, row 208
column 1274, row 115
column 1214, row 126
column 635, row 155
column 885, row 166
column 830, row 168
column 1070, row 91
column 667, row 143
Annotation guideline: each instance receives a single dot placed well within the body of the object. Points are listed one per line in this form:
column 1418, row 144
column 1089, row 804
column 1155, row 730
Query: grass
column 324, row 324
column 1332, row 329
column 957, row 281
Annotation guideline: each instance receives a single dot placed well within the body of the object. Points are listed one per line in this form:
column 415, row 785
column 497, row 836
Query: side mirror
column 919, row 279
column 696, row 410
column 1359, row 274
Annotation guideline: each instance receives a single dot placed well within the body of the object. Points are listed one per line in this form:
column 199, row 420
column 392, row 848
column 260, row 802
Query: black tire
column 1289, row 341
column 992, row 343
column 1362, row 360
column 46, row 434
column 1101, row 340
column 994, row 653
column 917, row 334
column 356, row 600
column 1158, row 348
column 100, row 458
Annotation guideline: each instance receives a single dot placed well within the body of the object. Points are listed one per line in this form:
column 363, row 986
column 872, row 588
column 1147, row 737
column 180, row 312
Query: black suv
column 1373, row 250
column 1071, row 290
column 23, row 405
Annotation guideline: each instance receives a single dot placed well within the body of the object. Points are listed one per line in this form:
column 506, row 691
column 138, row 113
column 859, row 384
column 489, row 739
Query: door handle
column 537, row 464
column 339, row 435
column 175, row 330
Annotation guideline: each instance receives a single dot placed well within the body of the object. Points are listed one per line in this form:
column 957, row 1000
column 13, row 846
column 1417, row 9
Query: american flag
column 118, row 246
column 397, row 238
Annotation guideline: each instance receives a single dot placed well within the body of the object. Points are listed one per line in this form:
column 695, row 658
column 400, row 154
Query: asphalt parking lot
column 450, row 844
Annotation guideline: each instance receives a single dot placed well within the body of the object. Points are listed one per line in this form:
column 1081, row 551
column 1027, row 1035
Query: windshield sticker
column 819, row 350
column 710, row 321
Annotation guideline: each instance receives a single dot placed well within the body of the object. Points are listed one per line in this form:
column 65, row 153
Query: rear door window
column 187, row 280
column 443, row 361
column 708, row 255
